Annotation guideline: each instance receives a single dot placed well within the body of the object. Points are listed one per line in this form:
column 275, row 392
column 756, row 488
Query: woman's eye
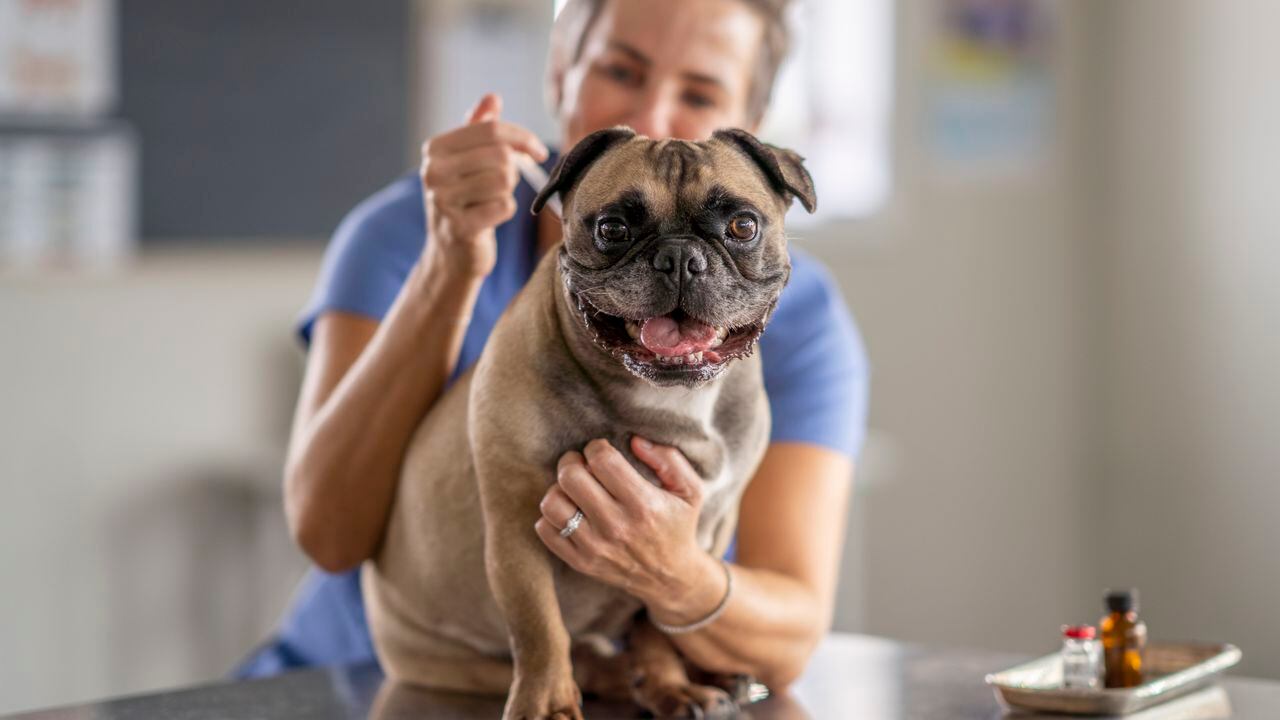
column 622, row 74
column 698, row 100
column 742, row 227
column 611, row 230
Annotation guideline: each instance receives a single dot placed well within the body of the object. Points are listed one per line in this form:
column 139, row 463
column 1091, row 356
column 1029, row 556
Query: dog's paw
column 544, row 697
column 738, row 686
column 685, row 701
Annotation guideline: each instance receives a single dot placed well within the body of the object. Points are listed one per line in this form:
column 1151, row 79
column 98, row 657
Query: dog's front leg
column 519, row 572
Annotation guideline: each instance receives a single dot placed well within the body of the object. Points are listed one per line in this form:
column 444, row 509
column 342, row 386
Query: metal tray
column 1174, row 669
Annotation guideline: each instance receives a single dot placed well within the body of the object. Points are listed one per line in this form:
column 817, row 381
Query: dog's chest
column 695, row 422
column 685, row 418
column 705, row 426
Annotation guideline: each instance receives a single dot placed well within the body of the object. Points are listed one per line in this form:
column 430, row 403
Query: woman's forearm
column 346, row 450
column 768, row 630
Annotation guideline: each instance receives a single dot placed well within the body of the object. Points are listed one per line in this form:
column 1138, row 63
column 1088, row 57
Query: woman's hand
column 634, row 535
column 468, row 178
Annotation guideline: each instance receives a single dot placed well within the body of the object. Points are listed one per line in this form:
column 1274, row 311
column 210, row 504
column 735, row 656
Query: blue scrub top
column 815, row 374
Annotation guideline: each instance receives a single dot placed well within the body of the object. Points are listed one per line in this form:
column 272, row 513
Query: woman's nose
column 651, row 115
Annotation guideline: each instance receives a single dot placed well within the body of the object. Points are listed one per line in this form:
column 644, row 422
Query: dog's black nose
column 681, row 258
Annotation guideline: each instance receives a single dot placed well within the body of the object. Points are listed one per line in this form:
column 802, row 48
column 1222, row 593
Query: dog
column 643, row 320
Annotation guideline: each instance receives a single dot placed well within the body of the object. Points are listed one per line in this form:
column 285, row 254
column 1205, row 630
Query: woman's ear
column 554, row 91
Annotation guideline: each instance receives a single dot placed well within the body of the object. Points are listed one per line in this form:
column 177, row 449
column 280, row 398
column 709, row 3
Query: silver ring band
column 572, row 526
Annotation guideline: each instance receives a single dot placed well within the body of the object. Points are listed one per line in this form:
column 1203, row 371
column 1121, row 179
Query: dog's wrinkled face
column 674, row 252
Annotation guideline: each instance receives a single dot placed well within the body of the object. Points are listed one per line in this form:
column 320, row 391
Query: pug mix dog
column 643, row 321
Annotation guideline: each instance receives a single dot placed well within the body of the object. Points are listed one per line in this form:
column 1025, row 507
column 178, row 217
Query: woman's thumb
column 489, row 108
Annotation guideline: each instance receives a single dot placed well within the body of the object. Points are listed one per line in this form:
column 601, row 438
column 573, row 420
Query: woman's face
column 667, row 68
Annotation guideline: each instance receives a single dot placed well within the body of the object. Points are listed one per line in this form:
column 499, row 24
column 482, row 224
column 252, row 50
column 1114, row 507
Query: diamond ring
column 572, row 526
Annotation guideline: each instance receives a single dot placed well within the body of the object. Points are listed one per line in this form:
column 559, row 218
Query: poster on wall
column 989, row 105
column 68, row 199
column 57, row 58
column 68, row 174
column 832, row 103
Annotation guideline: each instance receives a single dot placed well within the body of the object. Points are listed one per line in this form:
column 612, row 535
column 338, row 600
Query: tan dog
column 642, row 322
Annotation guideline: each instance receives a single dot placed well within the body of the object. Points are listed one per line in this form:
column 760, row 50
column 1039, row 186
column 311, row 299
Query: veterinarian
column 394, row 320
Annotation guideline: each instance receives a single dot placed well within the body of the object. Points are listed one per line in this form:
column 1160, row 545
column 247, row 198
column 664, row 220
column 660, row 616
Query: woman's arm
column 367, row 383
column 791, row 531
column 640, row 538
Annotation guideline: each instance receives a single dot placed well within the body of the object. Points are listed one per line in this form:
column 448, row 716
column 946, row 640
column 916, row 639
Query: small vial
column 1081, row 657
column 1124, row 639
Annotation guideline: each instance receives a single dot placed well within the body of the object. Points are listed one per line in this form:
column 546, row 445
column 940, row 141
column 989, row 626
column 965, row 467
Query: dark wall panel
column 262, row 117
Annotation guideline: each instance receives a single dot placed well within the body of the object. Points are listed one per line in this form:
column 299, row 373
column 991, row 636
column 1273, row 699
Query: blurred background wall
column 1192, row 320
column 975, row 293
column 1073, row 360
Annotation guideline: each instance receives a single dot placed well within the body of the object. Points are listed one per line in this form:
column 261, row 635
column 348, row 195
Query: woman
column 393, row 321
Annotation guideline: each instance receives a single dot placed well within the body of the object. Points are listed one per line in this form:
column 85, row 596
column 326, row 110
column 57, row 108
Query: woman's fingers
column 615, row 473
column 469, row 176
column 672, row 468
column 489, row 184
column 584, row 490
column 445, row 169
column 490, row 213
column 630, row 547
column 487, row 132
column 488, row 108
column 563, row 547
column 556, row 507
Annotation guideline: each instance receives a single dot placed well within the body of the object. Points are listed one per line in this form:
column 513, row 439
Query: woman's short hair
column 569, row 34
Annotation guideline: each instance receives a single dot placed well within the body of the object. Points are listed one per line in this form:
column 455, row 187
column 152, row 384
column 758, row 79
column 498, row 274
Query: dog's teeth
column 722, row 333
column 693, row 358
column 717, row 342
column 633, row 330
column 677, row 360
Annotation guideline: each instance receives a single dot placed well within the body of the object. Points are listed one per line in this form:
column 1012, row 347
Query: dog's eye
column 742, row 227
column 611, row 230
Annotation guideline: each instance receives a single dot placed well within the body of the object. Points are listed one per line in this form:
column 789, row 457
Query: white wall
column 142, row 426
column 1076, row 378
column 1190, row 497
column 974, row 298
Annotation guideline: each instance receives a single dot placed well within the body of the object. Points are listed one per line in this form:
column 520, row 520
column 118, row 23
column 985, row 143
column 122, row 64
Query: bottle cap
column 1080, row 632
column 1122, row 601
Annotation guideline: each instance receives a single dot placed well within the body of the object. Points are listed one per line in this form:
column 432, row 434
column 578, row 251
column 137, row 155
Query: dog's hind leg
column 602, row 674
column 661, row 685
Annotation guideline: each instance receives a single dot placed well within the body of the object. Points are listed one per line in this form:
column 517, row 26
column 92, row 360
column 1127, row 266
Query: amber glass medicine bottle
column 1124, row 639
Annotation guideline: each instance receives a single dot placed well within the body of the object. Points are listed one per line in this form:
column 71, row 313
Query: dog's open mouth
column 675, row 342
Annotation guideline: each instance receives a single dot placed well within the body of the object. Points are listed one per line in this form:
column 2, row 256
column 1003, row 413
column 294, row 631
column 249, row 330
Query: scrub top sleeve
column 817, row 375
column 369, row 257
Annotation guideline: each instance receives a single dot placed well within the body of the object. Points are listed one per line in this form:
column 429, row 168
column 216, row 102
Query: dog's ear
column 784, row 168
column 573, row 163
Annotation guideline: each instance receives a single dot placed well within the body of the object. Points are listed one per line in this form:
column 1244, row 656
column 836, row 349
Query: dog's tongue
column 667, row 336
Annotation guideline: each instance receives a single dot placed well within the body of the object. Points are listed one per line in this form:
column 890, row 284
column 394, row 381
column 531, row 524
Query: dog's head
column 674, row 252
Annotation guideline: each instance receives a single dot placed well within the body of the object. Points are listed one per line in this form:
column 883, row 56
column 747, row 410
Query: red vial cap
column 1080, row 632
